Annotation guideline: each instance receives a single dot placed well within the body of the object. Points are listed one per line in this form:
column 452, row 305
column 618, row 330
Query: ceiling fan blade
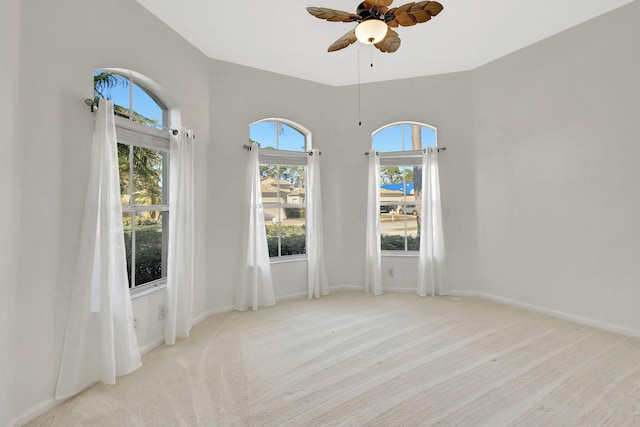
column 414, row 13
column 434, row 8
column 344, row 41
column 332, row 15
column 390, row 43
column 370, row 3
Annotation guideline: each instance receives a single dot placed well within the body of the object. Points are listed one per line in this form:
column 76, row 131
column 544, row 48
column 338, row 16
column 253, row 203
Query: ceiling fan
column 375, row 19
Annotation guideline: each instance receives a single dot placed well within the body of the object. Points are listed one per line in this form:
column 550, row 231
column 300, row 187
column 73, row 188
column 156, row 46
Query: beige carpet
column 355, row 360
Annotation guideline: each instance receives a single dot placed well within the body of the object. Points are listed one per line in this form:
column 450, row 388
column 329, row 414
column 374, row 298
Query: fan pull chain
column 371, row 56
column 359, row 96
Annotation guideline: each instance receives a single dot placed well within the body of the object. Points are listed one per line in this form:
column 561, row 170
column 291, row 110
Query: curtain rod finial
column 90, row 103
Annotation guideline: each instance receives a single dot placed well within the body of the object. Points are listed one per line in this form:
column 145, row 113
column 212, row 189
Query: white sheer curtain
column 373, row 272
column 255, row 286
column 100, row 341
column 180, row 257
column 432, row 274
column 317, row 274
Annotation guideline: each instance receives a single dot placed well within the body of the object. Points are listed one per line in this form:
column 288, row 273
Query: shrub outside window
column 401, row 146
column 283, row 177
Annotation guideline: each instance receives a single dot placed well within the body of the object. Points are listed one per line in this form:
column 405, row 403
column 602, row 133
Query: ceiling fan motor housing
column 373, row 13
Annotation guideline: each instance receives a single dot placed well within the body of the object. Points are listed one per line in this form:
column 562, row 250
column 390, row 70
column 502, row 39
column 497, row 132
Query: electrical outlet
column 161, row 313
column 135, row 324
column 390, row 272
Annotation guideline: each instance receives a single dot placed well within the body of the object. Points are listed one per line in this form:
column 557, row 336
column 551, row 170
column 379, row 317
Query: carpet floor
column 351, row 359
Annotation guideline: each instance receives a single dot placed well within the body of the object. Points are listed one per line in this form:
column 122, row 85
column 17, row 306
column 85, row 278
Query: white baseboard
column 292, row 297
column 399, row 290
column 35, row 412
column 346, row 288
column 458, row 293
column 46, row 405
column 563, row 315
column 153, row 344
column 611, row 327
column 208, row 313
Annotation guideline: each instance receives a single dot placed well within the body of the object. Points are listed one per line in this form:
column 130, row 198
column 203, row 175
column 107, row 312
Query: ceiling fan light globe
column 371, row 31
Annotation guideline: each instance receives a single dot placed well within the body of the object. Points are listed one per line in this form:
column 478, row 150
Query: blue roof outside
column 398, row 187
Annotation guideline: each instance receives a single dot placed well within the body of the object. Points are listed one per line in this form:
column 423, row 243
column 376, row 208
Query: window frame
column 287, row 158
column 135, row 133
column 401, row 159
column 140, row 135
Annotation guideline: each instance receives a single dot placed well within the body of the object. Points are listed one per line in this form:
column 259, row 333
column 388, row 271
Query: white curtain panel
column 255, row 286
column 100, row 341
column 373, row 272
column 432, row 274
column 180, row 257
column 317, row 274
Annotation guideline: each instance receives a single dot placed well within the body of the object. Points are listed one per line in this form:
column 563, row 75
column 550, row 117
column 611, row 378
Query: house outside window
column 143, row 161
column 401, row 146
column 283, row 178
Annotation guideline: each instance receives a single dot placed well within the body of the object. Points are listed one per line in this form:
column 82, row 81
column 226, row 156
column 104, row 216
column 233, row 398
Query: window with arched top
column 400, row 147
column 284, row 152
column 143, row 160
column 404, row 136
column 131, row 99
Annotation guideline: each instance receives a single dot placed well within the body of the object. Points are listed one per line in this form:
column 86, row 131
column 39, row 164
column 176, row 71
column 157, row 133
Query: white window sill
column 409, row 254
column 135, row 293
column 286, row 259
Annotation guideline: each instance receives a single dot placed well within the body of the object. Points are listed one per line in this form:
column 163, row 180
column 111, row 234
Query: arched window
column 284, row 147
column 400, row 146
column 143, row 158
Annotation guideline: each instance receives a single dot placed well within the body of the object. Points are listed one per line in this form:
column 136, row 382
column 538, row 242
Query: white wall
column 241, row 95
column 9, row 71
column 557, row 149
column 442, row 101
column 530, row 140
column 61, row 43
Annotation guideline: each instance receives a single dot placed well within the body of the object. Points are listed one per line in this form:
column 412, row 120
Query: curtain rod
column 366, row 153
column 92, row 105
column 248, row 148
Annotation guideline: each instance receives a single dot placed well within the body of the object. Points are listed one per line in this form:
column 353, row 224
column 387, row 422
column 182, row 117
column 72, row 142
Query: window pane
column 404, row 137
column 400, row 227
column 114, row 87
column 270, row 186
column 412, row 220
column 428, row 137
column 124, row 168
column 290, row 139
column 272, row 220
column 393, row 188
column 416, row 183
column 388, row 139
column 392, row 229
column 291, row 178
column 126, row 225
column 391, row 175
column 145, row 109
column 282, row 184
column 274, row 134
column 286, row 231
column 293, row 232
column 149, row 263
column 147, row 176
column 264, row 134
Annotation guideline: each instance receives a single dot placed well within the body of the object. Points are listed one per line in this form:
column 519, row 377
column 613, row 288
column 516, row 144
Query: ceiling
column 282, row 37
